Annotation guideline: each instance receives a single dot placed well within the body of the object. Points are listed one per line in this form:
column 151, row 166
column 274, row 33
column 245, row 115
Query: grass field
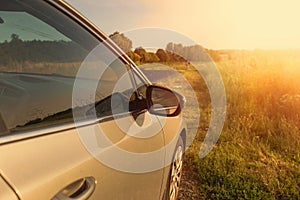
column 258, row 153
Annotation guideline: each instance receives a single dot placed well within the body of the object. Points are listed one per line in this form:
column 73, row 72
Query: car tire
column 175, row 173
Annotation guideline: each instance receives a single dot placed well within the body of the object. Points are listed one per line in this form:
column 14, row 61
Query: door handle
column 80, row 189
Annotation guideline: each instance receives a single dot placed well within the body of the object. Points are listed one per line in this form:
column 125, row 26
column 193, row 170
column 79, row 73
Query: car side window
column 140, row 90
column 41, row 52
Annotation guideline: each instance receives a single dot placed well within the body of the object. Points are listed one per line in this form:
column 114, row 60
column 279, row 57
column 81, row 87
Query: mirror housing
column 163, row 101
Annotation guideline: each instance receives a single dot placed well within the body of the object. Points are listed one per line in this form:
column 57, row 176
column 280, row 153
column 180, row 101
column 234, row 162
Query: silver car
column 78, row 119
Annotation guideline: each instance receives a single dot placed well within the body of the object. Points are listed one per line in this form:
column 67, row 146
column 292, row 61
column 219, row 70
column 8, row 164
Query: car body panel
column 6, row 191
column 40, row 163
column 173, row 127
column 39, row 168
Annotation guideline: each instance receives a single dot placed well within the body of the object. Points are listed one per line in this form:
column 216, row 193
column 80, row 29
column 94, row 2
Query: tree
column 122, row 41
column 134, row 57
column 180, row 53
column 146, row 57
column 15, row 38
column 170, row 47
column 178, row 49
column 151, row 57
column 141, row 52
column 162, row 55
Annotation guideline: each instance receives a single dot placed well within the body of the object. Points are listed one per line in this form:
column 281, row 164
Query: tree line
column 17, row 50
column 172, row 53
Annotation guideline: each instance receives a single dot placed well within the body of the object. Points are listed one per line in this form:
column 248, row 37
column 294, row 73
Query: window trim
column 7, row 139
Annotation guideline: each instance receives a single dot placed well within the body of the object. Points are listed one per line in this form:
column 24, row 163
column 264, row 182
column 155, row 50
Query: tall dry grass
column 258, row 153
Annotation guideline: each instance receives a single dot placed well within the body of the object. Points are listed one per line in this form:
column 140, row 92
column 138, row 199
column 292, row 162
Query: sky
column 214, row 24
column 26, row 27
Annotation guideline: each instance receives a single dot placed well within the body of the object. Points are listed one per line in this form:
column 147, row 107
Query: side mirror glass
column 163, row 101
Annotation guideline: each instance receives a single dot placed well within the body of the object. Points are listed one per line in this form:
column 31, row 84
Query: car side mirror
column 163, row 101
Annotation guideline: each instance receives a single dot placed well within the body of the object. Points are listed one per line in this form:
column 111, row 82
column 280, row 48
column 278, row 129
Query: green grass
column 258, row 153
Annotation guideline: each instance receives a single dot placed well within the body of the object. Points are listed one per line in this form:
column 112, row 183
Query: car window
column 41, row 53
column 141, row 85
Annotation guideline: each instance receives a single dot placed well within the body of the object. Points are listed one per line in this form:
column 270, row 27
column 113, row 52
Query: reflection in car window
column 41, row 51
column 30, row 45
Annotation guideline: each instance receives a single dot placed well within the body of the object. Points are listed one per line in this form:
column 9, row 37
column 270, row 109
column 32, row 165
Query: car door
column 6, row 191
column 54, row 145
